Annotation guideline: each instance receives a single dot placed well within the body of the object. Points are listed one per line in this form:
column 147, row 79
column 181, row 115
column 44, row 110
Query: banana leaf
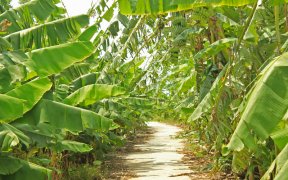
column 11, row 136
column 62, row 116
column 72, row 146
column 11, row 108
column 266, row 106
column 48, row 34
column 136, row 7
column 21, row 99
column 31, row 92
column 55, row 59
column 92, row 93
column 12, row 168
column 23, row 16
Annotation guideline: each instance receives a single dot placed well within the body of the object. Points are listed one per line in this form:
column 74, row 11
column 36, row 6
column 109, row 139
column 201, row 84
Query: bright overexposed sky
column 74, row 7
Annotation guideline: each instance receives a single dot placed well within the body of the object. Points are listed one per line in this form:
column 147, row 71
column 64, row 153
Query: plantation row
column 71, row 90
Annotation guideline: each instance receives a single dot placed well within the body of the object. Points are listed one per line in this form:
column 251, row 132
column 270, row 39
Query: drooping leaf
column 92, row 93
column 62, row 116
column 11, row 108
column 266, row 105
column 129, row 7
column 31, row 92
column 48, row 34
column 22, row 16
column 53, row 60
column 25, row 170
column 72, row 146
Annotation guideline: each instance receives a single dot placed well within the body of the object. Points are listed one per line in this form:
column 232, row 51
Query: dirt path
column 158, row 158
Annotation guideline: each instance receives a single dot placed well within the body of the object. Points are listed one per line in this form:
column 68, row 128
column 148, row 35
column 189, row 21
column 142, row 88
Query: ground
column 156, row 153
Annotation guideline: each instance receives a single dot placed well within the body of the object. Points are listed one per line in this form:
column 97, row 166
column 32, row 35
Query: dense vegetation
column 71, row 90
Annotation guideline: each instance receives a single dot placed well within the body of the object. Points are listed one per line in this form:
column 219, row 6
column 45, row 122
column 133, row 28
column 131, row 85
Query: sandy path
column 158, row 157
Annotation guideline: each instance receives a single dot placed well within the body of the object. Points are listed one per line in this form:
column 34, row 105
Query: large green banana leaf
column 20, row 100
column 31, row 92
column 62, row 116
column 92, row 93
column 266, row 106
column 22, row 16
column 43, row 135
column 48, row 34
column 53, row 60
column 11, row 108
column 164, row 6
column 12, row 168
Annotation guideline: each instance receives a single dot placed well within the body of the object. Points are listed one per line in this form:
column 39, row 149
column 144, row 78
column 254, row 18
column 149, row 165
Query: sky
column 74, row 7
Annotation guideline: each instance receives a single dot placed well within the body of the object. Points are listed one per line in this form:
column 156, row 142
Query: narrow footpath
column 159, row 157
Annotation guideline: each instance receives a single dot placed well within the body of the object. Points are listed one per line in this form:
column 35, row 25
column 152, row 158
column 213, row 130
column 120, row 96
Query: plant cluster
column 65, row 87
column 71, row 89
column 221, row 68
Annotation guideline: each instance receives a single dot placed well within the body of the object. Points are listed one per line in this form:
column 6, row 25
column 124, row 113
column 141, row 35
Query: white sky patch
column 14, row 3
column 77, row 7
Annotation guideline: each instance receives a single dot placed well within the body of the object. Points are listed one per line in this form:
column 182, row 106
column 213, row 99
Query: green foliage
column 70, row 91
column 265, row 108
column 90, row 94
column 49, row 71
column 62, row 116
column 46, row 62
column 38, row 9
column 48, row 34
column 239, row 96
column 155, row 7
